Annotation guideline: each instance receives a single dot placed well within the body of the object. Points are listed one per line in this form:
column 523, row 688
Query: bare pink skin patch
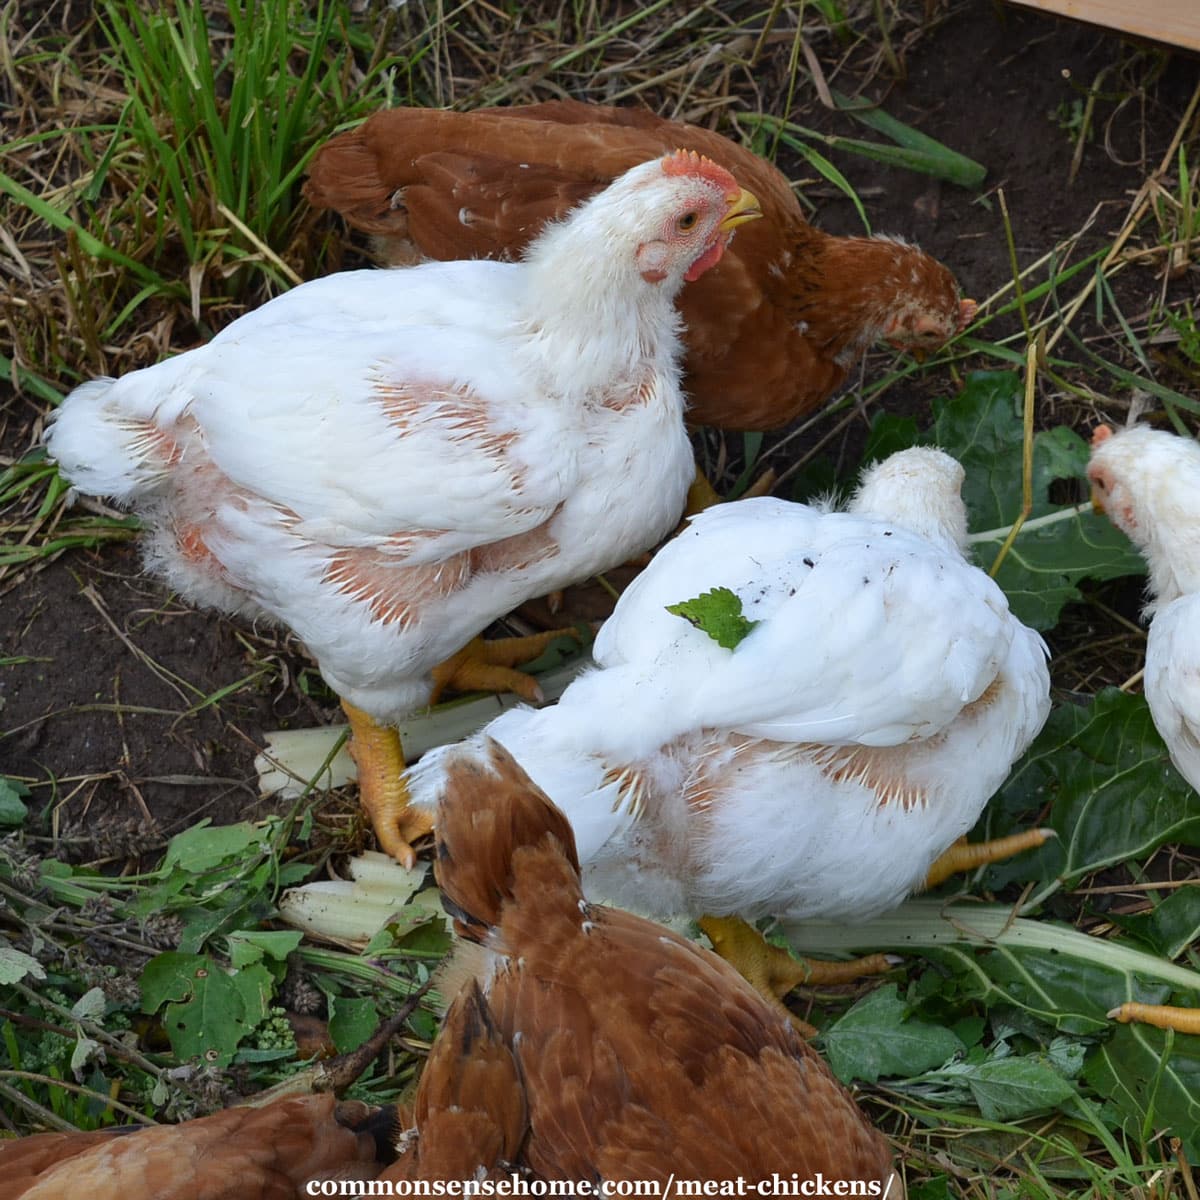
column 652, row 261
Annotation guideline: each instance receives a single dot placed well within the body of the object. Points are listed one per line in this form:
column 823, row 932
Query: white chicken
column 1148, row 482
column 820, row 766
column 387, row 461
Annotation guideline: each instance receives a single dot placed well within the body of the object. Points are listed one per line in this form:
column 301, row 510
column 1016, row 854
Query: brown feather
column 470, row 1109
column 771, row 330
column 639, row 1055
column 265, row 1153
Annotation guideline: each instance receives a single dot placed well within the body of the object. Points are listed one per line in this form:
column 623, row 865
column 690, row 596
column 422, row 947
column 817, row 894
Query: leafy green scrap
column 1151, row 1081
column 1004, row 1087
column 717, row 613
column 352, row 1019
column 1112, row 791
column 208, row 1009
column 879, row 1037
column 13, row 810
column 1172, row 926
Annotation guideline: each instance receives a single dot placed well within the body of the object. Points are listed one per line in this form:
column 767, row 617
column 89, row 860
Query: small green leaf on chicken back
column 719, row 614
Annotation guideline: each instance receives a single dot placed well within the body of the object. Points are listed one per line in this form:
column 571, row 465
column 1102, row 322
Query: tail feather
column 471, row 1111
column 489, row 813
column 104, row 450
column 345, row 177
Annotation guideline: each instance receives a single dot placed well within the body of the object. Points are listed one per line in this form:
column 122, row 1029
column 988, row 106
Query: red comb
column 688, row 162
column 1101, row 434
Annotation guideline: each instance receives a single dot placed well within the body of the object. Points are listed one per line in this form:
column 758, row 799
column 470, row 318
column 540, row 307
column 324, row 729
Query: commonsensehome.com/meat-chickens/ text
column 518, row 1186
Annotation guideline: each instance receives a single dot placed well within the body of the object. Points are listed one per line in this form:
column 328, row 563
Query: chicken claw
column 773, row 972
column 488, row 666
column 1162, row 1016
column 382, row 789
column 966, row 856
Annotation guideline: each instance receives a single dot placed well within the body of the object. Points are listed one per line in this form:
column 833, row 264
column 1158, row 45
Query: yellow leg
column 489, row 666
column 966, row 856
column 1163, row 1016
column 381, row 787
column 773, row 972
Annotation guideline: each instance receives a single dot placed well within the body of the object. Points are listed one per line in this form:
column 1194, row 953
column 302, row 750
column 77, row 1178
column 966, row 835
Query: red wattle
column 708, row 259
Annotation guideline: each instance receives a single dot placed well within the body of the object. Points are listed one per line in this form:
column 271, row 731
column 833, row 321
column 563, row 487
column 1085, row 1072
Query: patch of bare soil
column 113, row 692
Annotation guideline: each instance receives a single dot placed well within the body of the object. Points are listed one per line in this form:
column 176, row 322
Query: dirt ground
column 104, row 677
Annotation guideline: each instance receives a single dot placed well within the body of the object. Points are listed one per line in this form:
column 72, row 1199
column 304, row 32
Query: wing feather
column 918, row 632
column 370, row 436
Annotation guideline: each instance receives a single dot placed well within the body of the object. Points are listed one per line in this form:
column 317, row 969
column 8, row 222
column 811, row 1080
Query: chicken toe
column 773, row 972
column 1162, row 1016
column 490, row 666
column 966, row 856
column 382, row 788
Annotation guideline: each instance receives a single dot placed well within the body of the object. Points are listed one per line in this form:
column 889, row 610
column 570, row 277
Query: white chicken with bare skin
column 387, row 461
column 820, row 767
column 1148, row 483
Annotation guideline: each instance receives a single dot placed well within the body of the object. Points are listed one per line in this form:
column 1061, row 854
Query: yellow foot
column 773, row 972
column 488, row 666
column 702, row 494
column 381, row 787
column 1182, row 1020
column 966, row 856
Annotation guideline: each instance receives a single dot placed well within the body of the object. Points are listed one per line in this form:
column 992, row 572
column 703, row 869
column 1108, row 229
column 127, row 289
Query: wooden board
column 1176, row 22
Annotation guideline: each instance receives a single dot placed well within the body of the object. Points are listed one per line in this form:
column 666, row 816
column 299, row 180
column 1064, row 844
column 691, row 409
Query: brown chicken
column 771, row 331
column 584, row 1044
column 266, row 1153
column 590, row 1044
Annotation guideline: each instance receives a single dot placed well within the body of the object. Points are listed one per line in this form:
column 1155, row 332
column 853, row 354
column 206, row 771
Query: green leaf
column 433, row 940
column 982, row 428
column 352, row 1020
column 208, row 1009
column 248, row 946
column 1151, row 1080
column 205, row 846
column 953, row 166
column 1113, row 792
column 937, row 1188
column 13, row 810
column 91, row 1006
column 1066, row 979
column 1005, row 1089
column 1171, row 927
column 86, row 1049
column 717, row 613
column 15, row 965
column 877, row 1038
column 256, row 985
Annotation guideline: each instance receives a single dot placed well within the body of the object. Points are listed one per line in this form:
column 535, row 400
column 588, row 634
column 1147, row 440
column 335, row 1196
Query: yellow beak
column 744, row 208
column 1097, row 503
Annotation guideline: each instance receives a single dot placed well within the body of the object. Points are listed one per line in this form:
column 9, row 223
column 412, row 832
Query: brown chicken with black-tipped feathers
column 771, row 332
column 591, row 1044
column 245, row 1153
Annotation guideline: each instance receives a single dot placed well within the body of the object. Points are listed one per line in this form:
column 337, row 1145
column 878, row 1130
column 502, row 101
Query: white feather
column 821, row 766
column 354, row 458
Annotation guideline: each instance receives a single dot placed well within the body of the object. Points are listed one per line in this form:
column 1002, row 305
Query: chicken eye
column 687, row 221
column 1100, row 485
